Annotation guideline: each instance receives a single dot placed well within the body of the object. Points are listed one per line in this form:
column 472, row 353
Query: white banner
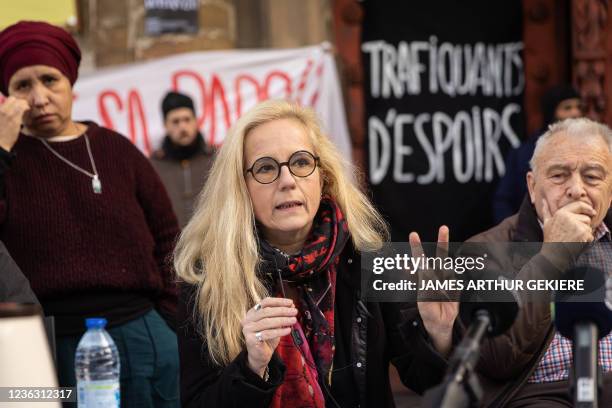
column 223, row 85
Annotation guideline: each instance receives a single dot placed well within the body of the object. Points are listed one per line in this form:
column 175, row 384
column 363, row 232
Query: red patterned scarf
column 309, row 278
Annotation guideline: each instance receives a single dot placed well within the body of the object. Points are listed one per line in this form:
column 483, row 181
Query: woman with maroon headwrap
column 85, row 217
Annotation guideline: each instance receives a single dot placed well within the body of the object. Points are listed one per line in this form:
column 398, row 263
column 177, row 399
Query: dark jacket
column 14, row 286
column 507, row 361
column 512, row 187
column 367, row 336
column 183, row 172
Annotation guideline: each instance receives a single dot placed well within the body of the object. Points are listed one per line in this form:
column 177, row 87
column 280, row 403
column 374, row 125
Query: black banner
column 171, row 16
column 444, row 85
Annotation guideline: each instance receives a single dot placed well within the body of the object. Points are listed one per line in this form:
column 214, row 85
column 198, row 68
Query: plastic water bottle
column 97, row 367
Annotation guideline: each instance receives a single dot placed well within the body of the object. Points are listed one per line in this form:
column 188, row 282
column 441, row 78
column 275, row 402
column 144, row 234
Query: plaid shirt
column 557, row 361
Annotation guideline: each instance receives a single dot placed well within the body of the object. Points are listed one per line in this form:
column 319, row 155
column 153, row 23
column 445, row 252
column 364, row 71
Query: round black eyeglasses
column 266, row 170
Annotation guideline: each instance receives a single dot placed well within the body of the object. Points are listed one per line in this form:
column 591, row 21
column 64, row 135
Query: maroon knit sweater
column 93, row 248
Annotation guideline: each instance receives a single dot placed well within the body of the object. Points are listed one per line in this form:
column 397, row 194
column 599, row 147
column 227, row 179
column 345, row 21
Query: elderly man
column 570, row 191
column 184, row 159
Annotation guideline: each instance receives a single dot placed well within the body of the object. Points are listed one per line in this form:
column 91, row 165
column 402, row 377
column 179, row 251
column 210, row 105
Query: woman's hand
column 11, row 118
column 263, row 326
column 438, row 316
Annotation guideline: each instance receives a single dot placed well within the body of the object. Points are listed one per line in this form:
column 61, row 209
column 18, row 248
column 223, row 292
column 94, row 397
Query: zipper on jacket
column 187, row 187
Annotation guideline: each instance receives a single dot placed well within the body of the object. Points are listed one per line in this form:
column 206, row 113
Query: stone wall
column 112, row 32
column 116, row 31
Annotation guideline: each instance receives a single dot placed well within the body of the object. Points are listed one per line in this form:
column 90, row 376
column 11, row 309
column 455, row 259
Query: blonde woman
column 270, row 312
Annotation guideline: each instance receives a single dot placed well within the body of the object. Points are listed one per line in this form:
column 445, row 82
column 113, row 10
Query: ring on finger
column 259, row 337
column 257, row 307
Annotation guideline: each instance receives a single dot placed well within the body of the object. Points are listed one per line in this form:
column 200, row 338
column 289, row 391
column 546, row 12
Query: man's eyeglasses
column 266, row 170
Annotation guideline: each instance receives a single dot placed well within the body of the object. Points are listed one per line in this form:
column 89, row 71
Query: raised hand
column 438, row 316
column 263, row 326
column 11, row 118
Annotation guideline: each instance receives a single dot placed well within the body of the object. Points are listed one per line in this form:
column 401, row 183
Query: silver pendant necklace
column 96, row 184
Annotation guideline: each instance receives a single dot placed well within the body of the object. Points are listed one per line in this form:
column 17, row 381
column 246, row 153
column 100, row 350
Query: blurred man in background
column 558, row 103
column 184, row 158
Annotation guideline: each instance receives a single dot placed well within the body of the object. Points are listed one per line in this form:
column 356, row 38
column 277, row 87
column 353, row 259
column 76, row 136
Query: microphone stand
column 585, row 380
column 461, row 388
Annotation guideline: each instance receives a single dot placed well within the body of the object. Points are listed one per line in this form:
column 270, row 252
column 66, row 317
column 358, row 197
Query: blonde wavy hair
column 218, row 252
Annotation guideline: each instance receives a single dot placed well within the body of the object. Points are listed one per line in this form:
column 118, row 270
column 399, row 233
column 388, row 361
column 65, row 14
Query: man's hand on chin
column 570, row 223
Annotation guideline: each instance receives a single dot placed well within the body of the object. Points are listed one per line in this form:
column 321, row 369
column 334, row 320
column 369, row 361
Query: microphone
column 460, row 387
column 501, row 313
column 584, row 319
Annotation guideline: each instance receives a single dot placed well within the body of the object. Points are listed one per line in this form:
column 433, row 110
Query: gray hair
column 573, row 127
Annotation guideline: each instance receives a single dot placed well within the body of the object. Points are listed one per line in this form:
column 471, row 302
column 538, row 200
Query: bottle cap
column 95, row 323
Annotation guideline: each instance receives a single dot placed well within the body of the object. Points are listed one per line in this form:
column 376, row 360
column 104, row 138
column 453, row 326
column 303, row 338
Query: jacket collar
column 528, row 228
column 171, row 151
